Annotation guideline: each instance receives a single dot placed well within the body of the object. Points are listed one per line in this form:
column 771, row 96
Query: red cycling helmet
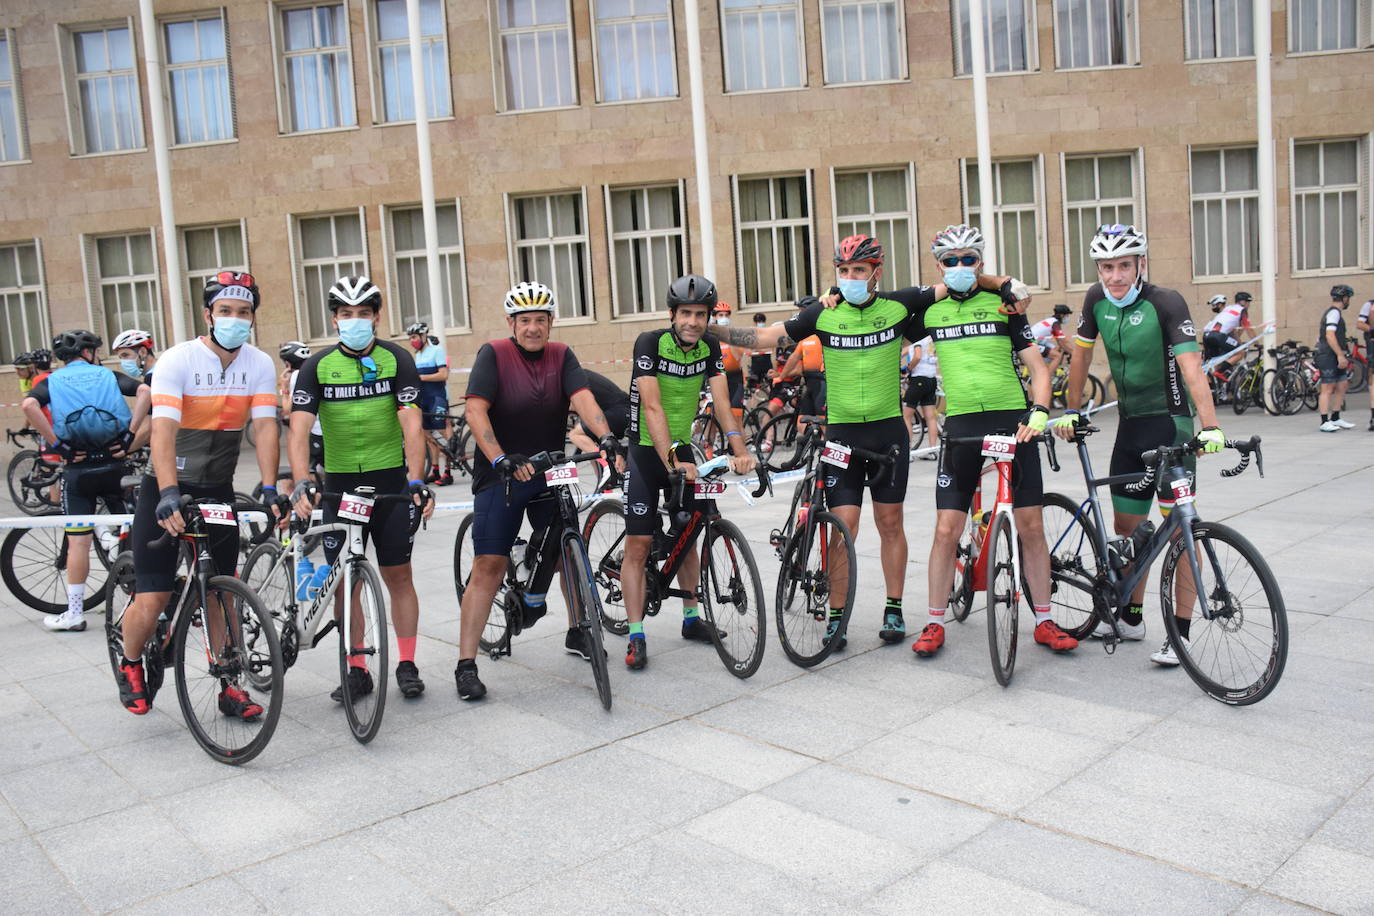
column 859, row 248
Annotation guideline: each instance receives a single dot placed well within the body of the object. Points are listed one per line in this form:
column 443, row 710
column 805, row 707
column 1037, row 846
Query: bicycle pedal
column 1109, row 643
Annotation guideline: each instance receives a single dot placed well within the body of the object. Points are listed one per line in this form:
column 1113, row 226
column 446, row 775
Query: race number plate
column 217, row 514
column 708, row 488
column 563, row 475
column 837, row 453
column 355, row 508
column 1183, row 491
column 999, row 448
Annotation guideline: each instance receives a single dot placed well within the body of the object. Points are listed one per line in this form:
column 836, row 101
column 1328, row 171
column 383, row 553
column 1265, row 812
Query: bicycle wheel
column 1070, row 536
column 1237, row 654
column 604, row 532
column 31, row 480
column 1269, row 381
column 1003, row 598
column 273, row 580
column 33, row 564
column 1286, row 393
column 1359, row 377
column 707, row 435
column 210, row 654
column 120, row 594
column 961, row 593
column 803, row 596
column 495, row 638
column 1241, row 395
column 780, row 443
column 732, row 599
column 461, row 451
column 1311, row 390
column 1096, row 392
column 577, row 577
column 363, row 637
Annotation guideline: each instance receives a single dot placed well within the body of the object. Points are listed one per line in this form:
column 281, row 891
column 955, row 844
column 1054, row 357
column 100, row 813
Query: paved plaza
column 878, row 782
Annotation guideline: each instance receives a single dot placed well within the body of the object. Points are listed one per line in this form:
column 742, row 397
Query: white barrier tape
column 96, row 521
column 1264, row 330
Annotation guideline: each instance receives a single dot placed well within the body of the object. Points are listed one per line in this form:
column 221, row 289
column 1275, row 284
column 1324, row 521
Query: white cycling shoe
column 68, row 621
column 1166, row 655
column 1136, row 632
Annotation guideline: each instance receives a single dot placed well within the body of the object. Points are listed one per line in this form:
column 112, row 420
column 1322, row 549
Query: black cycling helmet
column 691, row 290
column 1341, row 291
column 1244, row 297
column 69, row 344
column 1062, row 311
column 23, row 359
column 293, row 353
column 41, row 358
column 232, row 280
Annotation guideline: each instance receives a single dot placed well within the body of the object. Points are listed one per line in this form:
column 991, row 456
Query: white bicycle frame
column 309, row 616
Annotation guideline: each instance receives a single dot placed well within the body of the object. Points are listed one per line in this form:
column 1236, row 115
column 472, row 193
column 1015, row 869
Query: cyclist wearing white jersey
column 1049, row 337
column 922, row 368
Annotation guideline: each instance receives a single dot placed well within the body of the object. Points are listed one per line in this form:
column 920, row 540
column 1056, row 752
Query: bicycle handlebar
column 1046, row 437
column 543, row 461
column 1156, row 458
column 711, row 470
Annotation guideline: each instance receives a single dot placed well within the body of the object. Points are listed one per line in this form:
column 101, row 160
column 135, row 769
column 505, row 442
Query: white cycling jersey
column 1047, row 331
column 1228, row 319
column 926, row 366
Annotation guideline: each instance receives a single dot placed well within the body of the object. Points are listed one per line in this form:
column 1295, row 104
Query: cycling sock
column 637, row 629
column 406, row 646
column 1335, row 415
column 533, row 600
column 688, row 613
column 836, row 613
column 130, row 662
column 1325, row 417
column 1042, row 613
column 1133, row 614
column 893, row 606
column 76, row 599
column 1184, row 625
column 937, row 615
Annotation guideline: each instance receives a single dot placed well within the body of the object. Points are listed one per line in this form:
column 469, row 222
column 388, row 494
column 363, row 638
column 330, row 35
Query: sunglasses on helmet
column 234, row 278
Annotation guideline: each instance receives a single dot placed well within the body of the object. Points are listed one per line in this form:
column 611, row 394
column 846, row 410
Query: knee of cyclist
column 637, row 549
column 947, row 531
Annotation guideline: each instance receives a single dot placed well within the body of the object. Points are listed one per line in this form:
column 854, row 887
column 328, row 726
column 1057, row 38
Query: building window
column 864, row 40
column 634, row 50
column 1323, row 25
column 774, row 239
column 110, row 113
column 317, row 67
column 11, row 103
column 23, row 312
column 1094, row 33
column 880, row 203
column 1098, row 190
column 763, row 44
column 1326, row 204
column 535, row 38
column 549, row 235
column 1008, row 27
column 648, row 245
column 1225, row 196
column 395, row 88
column 331, row 246
column 1220, row 28
column 410, row 265
column 1018, row 211
column 207, row 250
column 126, row 275
column 198, row 79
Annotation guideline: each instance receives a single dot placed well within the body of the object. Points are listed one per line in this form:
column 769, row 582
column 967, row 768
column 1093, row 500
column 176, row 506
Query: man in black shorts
column 1333, row 361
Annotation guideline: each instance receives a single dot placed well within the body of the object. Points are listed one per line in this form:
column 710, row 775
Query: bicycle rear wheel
column 273, row 580
column 1359, row 377
column 210, row 654
column 961, row 593
column 1311, row 390
column 732, row 599
column 707, row 435
column 120, row 592
column 804, row 598
column 1237, row 655
column 495, row 638
column 780, row 443
column 1070, row 535
column 604, row 532
column 363, row 637
column 577, row 574
column 1242, row 389
column 1003, row 598
column 28, row 469
column 33, row 564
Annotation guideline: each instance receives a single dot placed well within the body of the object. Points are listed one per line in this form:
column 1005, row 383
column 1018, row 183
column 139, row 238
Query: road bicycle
column 34, row 474
column 988, row 556
column 559, row 546
column 1238, row 638
column 214, row 633
column 457, row 447
column 729, row 587
column 1248, row 383
column 299, row 617
column 1359, row 366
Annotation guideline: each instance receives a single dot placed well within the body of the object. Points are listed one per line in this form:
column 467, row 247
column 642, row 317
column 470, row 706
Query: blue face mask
column 131, row 367
column 356, row 333
column 232, row 333
column 1126, row 300
column 960, row 279
column 855, row 292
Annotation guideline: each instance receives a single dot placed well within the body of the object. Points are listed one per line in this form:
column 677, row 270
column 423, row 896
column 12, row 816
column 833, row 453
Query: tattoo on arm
column 742, row 337
column 489, row 436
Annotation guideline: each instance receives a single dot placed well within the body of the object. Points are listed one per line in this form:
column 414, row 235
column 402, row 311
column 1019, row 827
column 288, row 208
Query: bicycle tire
column 802, row 626
column 1097, row 392
column 604, row 534
column 738, row 631
column 120, row 592
column 1285, row 394
column 707, row 435
column 1074, row 562
column 1240, row 390
column 1003, row 598
column 227, row 739
column 785, row 452
column 461, row 454
column 1311, row 390
column 577, row 573
column 364, row 710
column 1269, row 380
column 1215, row 649
column 274, row 583
column 495, row 638
column 28, row 499
column 33, row 565
column 756, row 418
column 1359, row 377
column 961, row 592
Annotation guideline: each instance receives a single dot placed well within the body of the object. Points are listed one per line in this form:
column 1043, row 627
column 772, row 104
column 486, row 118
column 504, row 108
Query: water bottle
column 305, row 571
column 517, row 552
column 802, row 511
column 1141, row 535
column 317, row 581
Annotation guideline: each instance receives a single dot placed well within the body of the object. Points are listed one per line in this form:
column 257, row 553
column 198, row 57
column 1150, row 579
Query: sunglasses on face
column 369, row 368
column 968, row 260
column 233, row 278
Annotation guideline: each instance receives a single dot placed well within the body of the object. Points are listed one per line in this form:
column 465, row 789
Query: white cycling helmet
column 1217, row 301
column 354, row 291
column 530, row 297
column 1115, row 241
column 131, row 339
column 956, row 238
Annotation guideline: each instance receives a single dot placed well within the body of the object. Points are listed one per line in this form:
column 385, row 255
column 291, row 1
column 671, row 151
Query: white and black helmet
column 530, row 297
column 419, row 328
column 132, row 339
column 1217, row 301
column 354, row 291
column 956, row 238
column 1115, row 241
column 293, row 353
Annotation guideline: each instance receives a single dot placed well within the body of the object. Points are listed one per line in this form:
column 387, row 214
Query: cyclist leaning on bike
column 517, row 405
column 671, row 366
column 1154, row 358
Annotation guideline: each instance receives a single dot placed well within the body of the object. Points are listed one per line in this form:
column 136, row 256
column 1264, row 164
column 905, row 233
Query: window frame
column 1364, row 260
column 1217, row 195
column 16, row 85
column 1032, row 43
column 913, row 233
column 77, row 142
column 802, row 63
column 281, row 72
column 498, row 72
column 44, row 311
column 1138, row 201
column 95, row 283
column 596, row 58
column 167, row 69
column 372, row 32
column 298, row 265
column 1133, row 45
column 612, row 236
column 903, row 67
column 391, row 253
column 1364, row 32
column 513, row 246
column 1037, row 161
column 1188, row 31
column 194, row 303
column 810, row 222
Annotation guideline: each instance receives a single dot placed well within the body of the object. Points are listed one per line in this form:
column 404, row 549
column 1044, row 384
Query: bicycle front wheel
column 33, row 564
column 1071, row 538
column 1236, row 648
column 495, row 638
column 119, row 594
column 212, row 661
column 1359, row 377
column 961, row 592
column 577, row 574
column 363, row 645
column 273, row 580
column 732, row 599
column 604, row 532
column 804, row 595
column 1003, row 598
column 780, row 443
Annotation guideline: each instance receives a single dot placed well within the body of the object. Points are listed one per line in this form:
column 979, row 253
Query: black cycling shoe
column 408, row 679
column 698, row 630
column 359, row 685
column 894, row 628
column 636, row 653
column 833, row 634
column 470, row 686
column 576, row 644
